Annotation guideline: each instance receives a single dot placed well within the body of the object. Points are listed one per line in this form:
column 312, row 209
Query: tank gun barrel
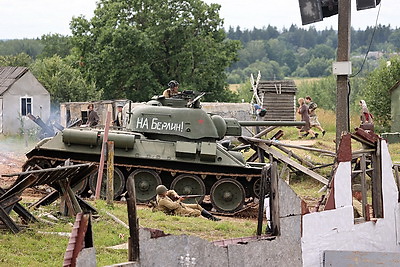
column 271, row 123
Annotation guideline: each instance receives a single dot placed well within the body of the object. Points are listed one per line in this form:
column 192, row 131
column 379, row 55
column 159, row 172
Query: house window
column 26, row 106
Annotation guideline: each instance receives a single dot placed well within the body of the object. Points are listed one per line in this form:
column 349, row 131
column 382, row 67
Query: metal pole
column 103, row 147
column 343, row 54
column 110, row 173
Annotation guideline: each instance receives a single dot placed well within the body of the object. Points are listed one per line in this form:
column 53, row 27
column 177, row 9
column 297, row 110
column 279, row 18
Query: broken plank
column 278, row 155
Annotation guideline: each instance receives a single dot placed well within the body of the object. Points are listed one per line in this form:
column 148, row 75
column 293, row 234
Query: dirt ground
column 10, row 162
column 12, row 157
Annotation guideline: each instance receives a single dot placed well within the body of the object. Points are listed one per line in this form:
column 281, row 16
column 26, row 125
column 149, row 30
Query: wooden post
column 274, row 200
column 110, row 173
column 133, row 242
column 343, row 54
column 263, row 179
column 66, row 206
column 377, row 196
column 363, row 166
column 103, row 147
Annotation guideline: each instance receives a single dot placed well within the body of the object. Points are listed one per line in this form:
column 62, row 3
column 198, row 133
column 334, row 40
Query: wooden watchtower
column 279, row 99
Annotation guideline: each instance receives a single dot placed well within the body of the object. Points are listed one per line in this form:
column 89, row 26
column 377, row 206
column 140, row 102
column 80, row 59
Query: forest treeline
column 298, row 52
column 276, row 53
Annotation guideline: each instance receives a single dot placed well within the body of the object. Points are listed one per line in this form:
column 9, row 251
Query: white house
column 20, row 94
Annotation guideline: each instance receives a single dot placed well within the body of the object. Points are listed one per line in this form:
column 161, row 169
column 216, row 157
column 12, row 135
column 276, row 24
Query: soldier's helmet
column 173, row 84
column 161, row 189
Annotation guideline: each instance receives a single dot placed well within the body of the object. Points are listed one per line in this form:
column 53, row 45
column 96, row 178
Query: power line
column 370, row 43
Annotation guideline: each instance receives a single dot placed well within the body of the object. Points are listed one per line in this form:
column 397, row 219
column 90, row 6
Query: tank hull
column 187, row 167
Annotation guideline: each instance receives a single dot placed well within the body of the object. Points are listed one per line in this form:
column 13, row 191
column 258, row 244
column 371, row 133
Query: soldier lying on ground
column 169, row 202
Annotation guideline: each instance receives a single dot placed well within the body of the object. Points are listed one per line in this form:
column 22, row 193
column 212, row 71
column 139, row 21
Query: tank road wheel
column 80, row 188
column 187, row 184
column 257, row 188
column 146, row 182
column 119, row 182
column 227, row 195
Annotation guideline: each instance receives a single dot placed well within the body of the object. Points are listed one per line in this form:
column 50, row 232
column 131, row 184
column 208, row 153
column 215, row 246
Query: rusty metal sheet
column 344, row 150
column 369, row 136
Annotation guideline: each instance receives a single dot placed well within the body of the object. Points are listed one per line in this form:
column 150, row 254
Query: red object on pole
column 103, row 148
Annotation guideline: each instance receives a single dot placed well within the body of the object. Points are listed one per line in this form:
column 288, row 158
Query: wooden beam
column 291, row 154
column 278, row 155
column 265, row 131
column 269, row 142
column 47, row 170
column 6, row 219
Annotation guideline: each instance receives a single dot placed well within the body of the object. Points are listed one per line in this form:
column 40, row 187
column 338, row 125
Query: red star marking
column 201, row 121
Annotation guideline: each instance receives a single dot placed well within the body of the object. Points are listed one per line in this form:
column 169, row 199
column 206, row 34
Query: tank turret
column 183, row 119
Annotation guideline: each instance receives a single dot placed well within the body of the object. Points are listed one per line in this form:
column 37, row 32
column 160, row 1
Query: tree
column 394, row 38
column 269, row 70
column 274, row 49
column 322, row 91
column 254, row 50
column 56, row 44
column 323, row 51
column 31, row 47
column 133, row 48
column 318, row 67
column 20, row 60
column 376, row 91
column 63, row 82
column 290, row 60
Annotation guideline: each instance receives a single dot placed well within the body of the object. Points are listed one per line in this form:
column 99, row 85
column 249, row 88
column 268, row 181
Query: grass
column 31, row 248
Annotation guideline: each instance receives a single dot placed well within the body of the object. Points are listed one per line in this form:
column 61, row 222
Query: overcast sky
column 33, row 18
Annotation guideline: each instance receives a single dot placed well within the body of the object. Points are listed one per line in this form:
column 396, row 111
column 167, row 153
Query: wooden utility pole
column 343, row 55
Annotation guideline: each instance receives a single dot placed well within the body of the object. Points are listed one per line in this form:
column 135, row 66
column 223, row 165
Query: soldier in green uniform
column 169, row 202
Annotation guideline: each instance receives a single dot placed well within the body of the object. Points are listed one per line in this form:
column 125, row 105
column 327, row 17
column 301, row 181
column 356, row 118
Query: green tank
column 170, row 141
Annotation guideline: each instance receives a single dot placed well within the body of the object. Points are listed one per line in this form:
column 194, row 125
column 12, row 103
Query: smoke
column 15, row 146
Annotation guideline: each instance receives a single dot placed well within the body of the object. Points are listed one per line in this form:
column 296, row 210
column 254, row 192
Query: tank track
column 247, row 178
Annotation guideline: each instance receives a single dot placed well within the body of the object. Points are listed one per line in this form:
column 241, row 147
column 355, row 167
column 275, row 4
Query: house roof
column 9, row 75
